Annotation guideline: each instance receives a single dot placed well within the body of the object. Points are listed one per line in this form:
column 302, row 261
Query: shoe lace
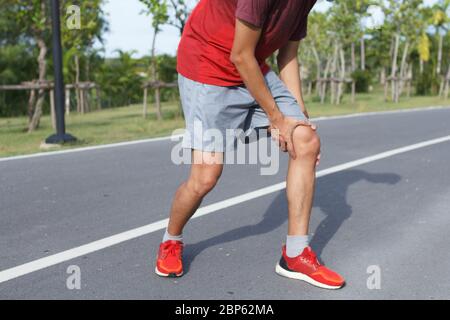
column 312, row 258
column 172, row 250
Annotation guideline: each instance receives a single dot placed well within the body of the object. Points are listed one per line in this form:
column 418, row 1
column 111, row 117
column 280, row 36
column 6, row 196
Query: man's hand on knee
column 282, row 130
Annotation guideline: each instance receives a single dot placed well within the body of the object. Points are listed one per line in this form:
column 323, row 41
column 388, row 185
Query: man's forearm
column 251, row 74
column 290, row 75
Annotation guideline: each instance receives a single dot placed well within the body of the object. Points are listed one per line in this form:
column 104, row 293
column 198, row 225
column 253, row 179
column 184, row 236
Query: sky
column 131, row 30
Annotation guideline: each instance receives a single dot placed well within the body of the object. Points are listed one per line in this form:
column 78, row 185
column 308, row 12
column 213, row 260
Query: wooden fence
column 81, row 90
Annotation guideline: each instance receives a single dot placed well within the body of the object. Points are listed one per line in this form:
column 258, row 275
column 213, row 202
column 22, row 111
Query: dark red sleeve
column 254, row 12
column 301, row 30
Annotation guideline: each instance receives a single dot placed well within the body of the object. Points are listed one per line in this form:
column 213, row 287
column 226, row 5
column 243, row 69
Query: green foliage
column 119, row 80
column 158, row 10
column 378, row 52
column 180, row 12
column 345, row 19
column 15, row 63
column 93, row 26
column 423, row 47
column 167, row 68
column 363, row 80
column 30, row 18
column 426, row 82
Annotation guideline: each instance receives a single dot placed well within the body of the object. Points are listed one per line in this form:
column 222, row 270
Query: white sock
column 168, row 236
column 295, row 245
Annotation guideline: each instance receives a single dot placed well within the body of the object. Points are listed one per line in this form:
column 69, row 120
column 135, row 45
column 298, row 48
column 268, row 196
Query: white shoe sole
column 171, row 275
column 300, row 276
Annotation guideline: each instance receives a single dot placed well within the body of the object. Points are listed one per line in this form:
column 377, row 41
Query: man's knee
column 204, row 183
column 306, row 140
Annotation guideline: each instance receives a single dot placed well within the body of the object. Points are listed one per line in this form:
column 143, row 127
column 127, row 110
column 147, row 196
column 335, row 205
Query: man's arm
column 243, row 57
column 290, row 72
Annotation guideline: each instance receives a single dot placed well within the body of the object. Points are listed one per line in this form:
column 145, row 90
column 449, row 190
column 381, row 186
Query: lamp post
column 60, row 136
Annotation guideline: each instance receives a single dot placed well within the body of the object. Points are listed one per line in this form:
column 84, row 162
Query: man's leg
column 298, row 260
column 206, row 169
column 300, row 182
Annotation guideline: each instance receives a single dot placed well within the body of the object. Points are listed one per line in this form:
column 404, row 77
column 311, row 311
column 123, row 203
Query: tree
column 181, row 11
column 346, row 26
column 401, row 19
column 360, row 10
column 316, row 50
column 158, row 10
column 16, row 61
column 78, row 43
column 440, row 21
column 32, row 22
column 32, row 25
column 31, row 17
column 120, row 79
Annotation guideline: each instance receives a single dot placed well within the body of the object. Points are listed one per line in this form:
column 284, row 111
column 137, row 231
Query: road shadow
column 330, row 198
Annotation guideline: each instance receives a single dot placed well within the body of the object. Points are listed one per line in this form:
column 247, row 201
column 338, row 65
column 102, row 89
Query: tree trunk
column 87, row 107
column 353, row 70
column 441, row 87
column 394, row 67
column 410, row 77
column 342, row 76
column 333, row 73
column 386, row 93
column 98, row 98
column 82, row 104
column 421, row 66
column 319, row 70
column 363, row 54
column 77, row 82
column 158, row 103
column 403, row 71
column 36, row 118
column 31, row 102
column 67, row 102
column 325, row 83
column 155, row 77
column 439, row 62
column 144, row 111
column 87, row 71
column 447, row 84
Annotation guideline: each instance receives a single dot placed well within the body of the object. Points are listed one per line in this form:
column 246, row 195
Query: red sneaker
column 169, row 262
column 307, row 267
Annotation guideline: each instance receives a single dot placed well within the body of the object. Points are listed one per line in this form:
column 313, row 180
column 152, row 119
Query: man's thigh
column 210, row 111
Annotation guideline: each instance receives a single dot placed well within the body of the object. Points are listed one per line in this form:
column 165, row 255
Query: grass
column 127, row 123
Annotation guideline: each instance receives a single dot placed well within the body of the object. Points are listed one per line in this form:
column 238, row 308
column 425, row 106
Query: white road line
column 376, row 113
column 99, row 147
column 168, row 138
column 57, row 258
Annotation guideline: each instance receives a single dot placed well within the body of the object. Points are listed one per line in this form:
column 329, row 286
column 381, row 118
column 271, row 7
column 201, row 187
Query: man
column 225, row 84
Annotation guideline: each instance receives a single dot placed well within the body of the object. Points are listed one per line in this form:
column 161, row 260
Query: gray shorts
column 212, row 111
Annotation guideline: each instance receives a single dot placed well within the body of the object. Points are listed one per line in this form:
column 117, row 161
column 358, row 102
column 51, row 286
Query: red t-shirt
column 207, row 40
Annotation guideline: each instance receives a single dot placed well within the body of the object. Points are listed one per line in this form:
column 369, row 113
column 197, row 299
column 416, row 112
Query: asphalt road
column 392, row 213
